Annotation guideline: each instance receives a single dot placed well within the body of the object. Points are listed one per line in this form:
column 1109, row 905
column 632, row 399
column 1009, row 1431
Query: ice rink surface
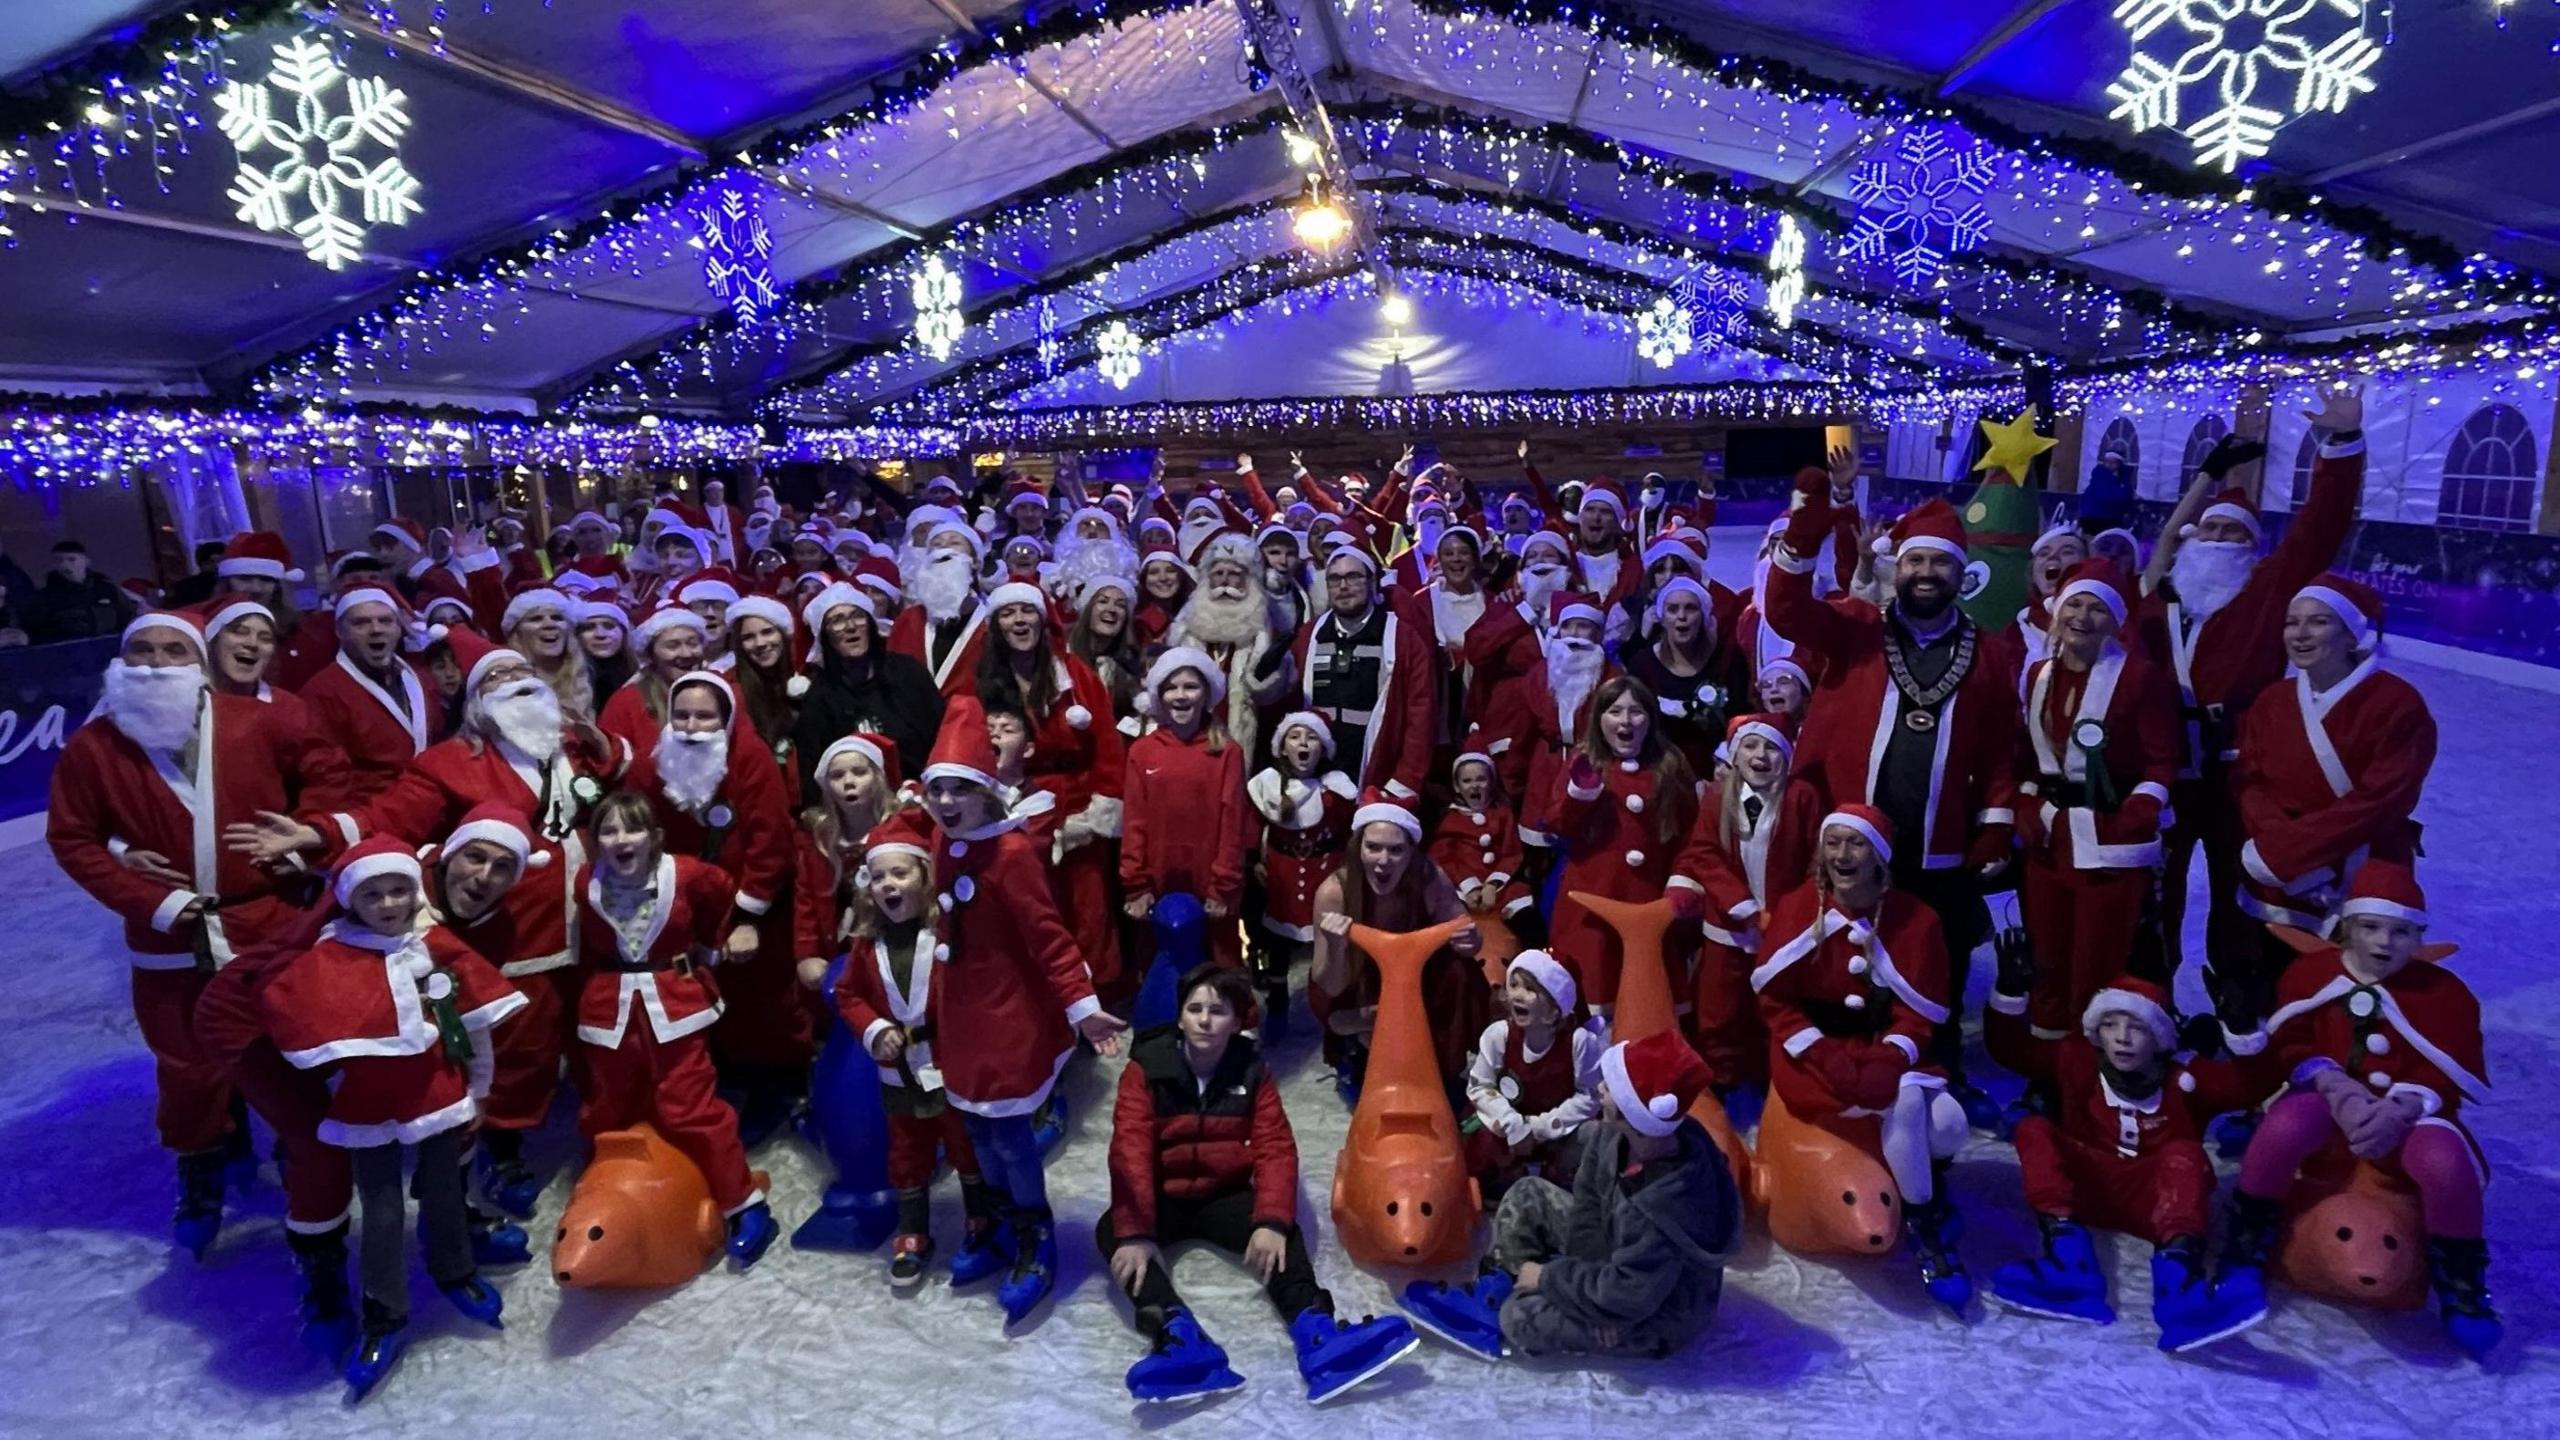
column 108, row 1332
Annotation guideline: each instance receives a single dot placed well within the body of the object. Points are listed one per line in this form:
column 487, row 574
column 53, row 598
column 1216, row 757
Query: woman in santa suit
column 1852, row 979
column 2381, row 1049
column 1076, row 755
column 1164, row 585
column 1696, row 678
column 668, row 642
column 650, row 925
column 2331, row 763
column 2096, row 754
column 763, row 663
column 1622, row 809
column 538, row 624
column 857, row 781
column 1752, row 843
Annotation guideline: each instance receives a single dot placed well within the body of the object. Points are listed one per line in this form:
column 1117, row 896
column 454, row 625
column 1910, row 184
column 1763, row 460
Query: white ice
column 107, row 1333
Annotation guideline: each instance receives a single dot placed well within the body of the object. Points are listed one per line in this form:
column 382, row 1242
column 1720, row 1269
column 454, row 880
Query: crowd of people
column 497, row 816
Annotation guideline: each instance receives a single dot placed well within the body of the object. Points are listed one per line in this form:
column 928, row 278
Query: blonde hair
column 572, row 679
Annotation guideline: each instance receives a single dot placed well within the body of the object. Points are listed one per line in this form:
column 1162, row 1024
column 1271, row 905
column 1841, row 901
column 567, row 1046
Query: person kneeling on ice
column 1201, row 1150
column 402, row 1016
column 2382, row 1047
column 2120, row 1147
column 1631, row 1260
column 1534, row 1079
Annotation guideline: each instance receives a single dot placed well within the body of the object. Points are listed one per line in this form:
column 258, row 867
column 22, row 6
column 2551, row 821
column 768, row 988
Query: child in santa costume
column 1305, row 806
column 1630, row 1260
column 1018, row 994
column 401, row 1016
column 1201, row 1150
column 1753, row 842
column 1009, row 731
column 2381, row 1048
column 1623, row 809
column 1388, row 884
column 1188, row 824
column 1852, row 978
column 1477, row 845
column 857, row 784
column 1534, row 1078
column 891, row 994
column 650, row 924
column 2118, row 1144
column 2097, row 752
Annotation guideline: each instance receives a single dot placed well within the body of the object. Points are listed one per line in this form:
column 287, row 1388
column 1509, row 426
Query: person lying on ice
column 1201, row 1150
column 2382, row 1048
column 2119, row 1147
column 1631, row 1260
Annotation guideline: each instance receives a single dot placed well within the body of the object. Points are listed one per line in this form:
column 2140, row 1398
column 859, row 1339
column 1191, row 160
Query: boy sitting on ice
column 1534, row 1078
column 1631, row 1260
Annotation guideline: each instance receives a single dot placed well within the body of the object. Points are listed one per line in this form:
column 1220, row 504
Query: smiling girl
column 1621, row 812
column 1188, row 826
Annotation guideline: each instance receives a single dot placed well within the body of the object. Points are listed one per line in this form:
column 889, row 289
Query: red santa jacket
column 2221, row 664
column 2191, row 1093
column 1742, row 875
column 662, row 972
column 1842, row 745
column 626, row 719
column 2325, row 781
column 1502, row 646
column 1170, row 1136
column 303, row 652
column 746, row 829
column 1306, row 827
column 1828, row 977
column 1613, row 843
column 1189, row 824
column 1482, row 854
column 1536, row 739
column 958, row 672
column 1395, row 749
column 870, row 1002
column 109, row 794
column 379, row 737
column 1077, row 752
column 362, row 1004
column 817, row 898
column 1017, row 983
column 2416, row 1033
column 2124, row 704
column 454, row 776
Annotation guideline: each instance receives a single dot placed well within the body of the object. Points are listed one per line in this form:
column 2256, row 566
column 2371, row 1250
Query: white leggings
column 1924, row 1123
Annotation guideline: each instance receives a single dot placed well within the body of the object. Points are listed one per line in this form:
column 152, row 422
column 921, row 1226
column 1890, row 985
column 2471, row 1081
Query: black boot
column 328, row 1312
column 2458, row 1270
column 2255, row 1222
column 199, row 1217
column 1931, row 1231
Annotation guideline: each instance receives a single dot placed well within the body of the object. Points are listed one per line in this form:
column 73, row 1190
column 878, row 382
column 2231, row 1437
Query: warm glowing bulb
column 1398, row 310
column 1322, row 224
column 1302, row 151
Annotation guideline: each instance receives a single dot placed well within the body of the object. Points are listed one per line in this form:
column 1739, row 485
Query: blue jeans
column 1009, row 1159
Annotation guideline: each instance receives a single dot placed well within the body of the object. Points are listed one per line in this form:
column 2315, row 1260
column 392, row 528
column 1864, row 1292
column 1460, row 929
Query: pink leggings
column 2435, row 1159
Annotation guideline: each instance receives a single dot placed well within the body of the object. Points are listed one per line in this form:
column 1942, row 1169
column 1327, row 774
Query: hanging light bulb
column 1398, row 310
column 1321, row 224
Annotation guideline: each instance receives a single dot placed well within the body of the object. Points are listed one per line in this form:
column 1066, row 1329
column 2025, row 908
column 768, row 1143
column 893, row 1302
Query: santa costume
column 1372, row 676
column 1610, row 818
column 381, row 722
column 1480, row 850
column 1746, row 850
column 1078, row 756
column 1306, row 826
column 1189, row 825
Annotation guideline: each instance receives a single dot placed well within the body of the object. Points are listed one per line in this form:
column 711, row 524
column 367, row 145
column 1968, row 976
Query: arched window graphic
column 2492, row 473
column 2119, row 436
column 2199, row 444
column 2303, row 455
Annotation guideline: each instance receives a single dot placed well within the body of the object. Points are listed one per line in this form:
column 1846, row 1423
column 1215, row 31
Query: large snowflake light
column 2238, row 46
column 737, row 256
column 938, row 319
column 1118, row 348
column 1923, row 211
column 1786, row 273
column 319, row 157
column 1663, row 332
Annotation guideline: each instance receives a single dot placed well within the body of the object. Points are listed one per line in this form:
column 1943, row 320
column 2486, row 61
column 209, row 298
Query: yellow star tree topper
column 2014, row 445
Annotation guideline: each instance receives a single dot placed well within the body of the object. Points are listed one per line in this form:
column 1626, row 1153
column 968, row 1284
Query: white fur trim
column 351, row 875
column 1550, row 974
column 1636, row 1109
column 1883, row 847
column 1387, row 814
column 2163, row 1027
column 2359, row 624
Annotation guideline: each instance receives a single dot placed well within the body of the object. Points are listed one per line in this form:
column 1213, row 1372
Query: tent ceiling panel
column 1140, row 80
column 102, row 304
column 1916, row 39
column 39, row 33
column 977, row 140
column 1483, row 60
column 552, row 335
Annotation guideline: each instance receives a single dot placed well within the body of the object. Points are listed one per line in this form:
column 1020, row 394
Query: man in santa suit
column 2330, row 764
column 520, row 565
column 2100, row 750
column 1447, row 597
column 1835, row 560
column 1372, row 677
column 725, row 525
column 139, row 798
column 1504, row 643
column 1910, row 717
column 1604, row 550
column 514, row 750
column 944, row 625
column 399, row 545
column 1368, row 519
column 593, row 534
column 1232, row 619
column 1852, row 980
column 372, row 702
column 709, row 594
column 2214, row 611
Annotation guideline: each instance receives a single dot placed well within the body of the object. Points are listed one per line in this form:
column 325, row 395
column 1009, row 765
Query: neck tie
column 1751, row 805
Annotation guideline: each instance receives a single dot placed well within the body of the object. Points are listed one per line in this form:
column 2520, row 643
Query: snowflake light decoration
column 2236, row 46
column 1924, row 211
column 319, row 156
column 737, row 256
column 1118, row 348
column 1722, row 305
column 938, row 319
column 1663, row 333
column 1786, row 273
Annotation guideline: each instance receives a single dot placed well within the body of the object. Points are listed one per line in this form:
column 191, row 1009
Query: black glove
column 1271, row 661
column 2017, row 960
column 2201, row 1034
column 2230, row 453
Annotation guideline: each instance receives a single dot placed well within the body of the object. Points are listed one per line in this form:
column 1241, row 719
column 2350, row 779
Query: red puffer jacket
column 1169, row 1136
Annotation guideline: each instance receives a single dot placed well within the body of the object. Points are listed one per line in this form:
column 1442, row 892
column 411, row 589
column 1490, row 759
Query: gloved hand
column 2383, row 1125
column 1877, row 1075
column 2228, row 454
column 1834, row 1063
column 1686, row 904
column 2016, row 956
column 1809, row 524
column 1582, row 774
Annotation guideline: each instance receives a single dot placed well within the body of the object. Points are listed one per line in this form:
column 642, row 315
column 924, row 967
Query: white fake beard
column 1600, row 571
column 1427, row 534
column 524, row 713
column 1213, row 619
column 1539, row 584
column 691, row 767
column 1573, row 669
column 942, row 585
column 1082, row 560
column 155, row 706
column 2209, row 572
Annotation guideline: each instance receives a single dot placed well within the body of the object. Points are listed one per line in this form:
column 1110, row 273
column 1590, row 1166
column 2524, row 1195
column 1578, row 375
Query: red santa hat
column 977, row 542
column 1549, row 536
column 604, row 570
column 1787, row 666
column 1573, row 605
column 372, row 590
column 668, row 616
column 1095, row 586
column 1771, row 728
column 259, row 553
column 474, row 654
column 1867, row 820
column 765, row 608
column 674, row 515
column 879, row 574
column 1306, row 720
column 2062, row 531
column 2146, row 1002
column 402, row 529
column 1605, row 492
column 538, row 597
column 902, row 831
column 880, row 750
column 1347, row 546
column 2385, row 888
column 445, row 612
column 2096, row 576
column 1466, row 757
column 2234, row 504
column 1551, row 975
column 718, row 584
column 178, row 620
column 1930, row 525
column 1017, row 592
column 588, row 517
column 1689, row 547
column 1024, row 492
column 1377, row 807
column 962, row 751
column 228, row 611
column 381, row 855
column 1654, row 1081
column 1682, row 585
column 942, row 485
column 1180, row 658
column 502, row 825
column 2357, row 605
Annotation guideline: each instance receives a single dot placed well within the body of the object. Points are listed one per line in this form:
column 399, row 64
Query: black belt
column 1835, row 1019
column 1304, row 844
column 2066, row 794
column 682, row 967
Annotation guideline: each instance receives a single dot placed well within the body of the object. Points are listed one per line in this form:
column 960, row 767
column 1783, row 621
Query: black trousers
column 1955, row 894
column 1226, row 1221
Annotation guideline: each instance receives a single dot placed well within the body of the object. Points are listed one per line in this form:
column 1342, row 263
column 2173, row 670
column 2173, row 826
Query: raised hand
column 1843, row 465
column 2341, row 408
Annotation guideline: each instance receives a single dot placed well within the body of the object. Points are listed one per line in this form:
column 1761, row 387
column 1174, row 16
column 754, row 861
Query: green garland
column 59, row 96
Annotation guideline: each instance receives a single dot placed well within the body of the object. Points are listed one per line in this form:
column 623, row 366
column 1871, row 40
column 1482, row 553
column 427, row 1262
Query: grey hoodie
column 1642, row 1269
